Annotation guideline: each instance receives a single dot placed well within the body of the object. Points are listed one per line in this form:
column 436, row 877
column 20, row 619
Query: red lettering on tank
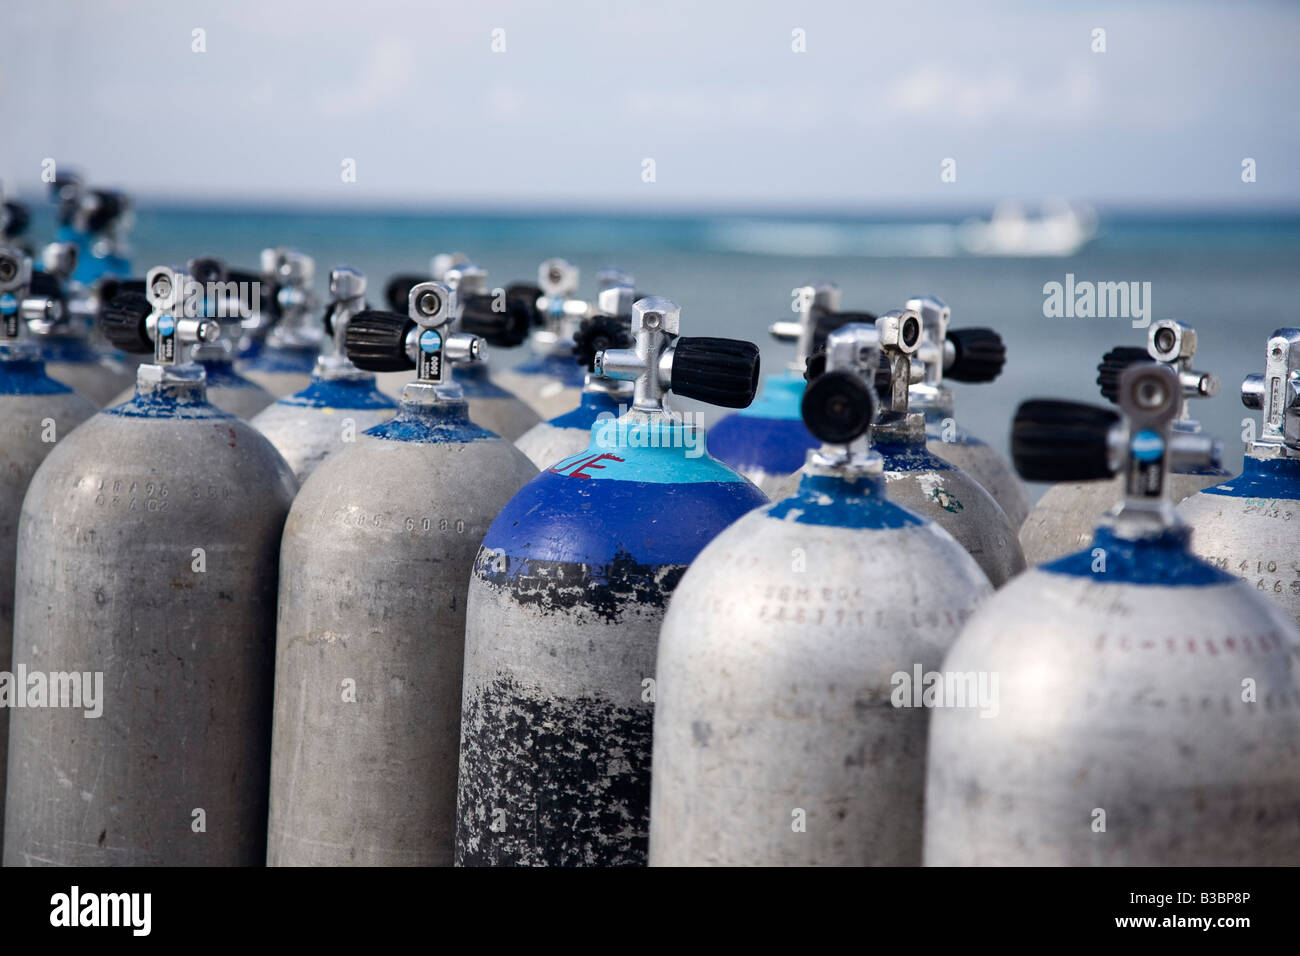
column 576, row 468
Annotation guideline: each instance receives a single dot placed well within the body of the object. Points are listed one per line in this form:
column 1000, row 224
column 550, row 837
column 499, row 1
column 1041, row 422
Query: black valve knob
column 814, row 366
column 824, row 323
column 838, row 406
column 718, row 371
column 598, row 333
column 110, row 287
column 16, row 220
column 1062, row 441
column 505, row 328
column 256, row 295
column 207, row 269
column 107, row 207
column 398, row 291
column 1113, row 363
column 376, row 341
column 123, row 322
column 45, row 285
column 524, row 296
column 979, row 355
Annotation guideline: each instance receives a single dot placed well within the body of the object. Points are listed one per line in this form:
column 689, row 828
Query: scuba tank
column 503, row 322
column 767, row 442
column 601, row 398
column 64, row 336
column 1064, row 518
column 552, row 380
column 147, row 559
column 564, row 608
column 95, row 222
column 1248, row 525
column 375, row 562
column 1141, row 703
column 223, row 299
column 774, row 740
column 341, row 401
column 963, row 355
column 37, row 412
column 917, row 478
column 283, row 340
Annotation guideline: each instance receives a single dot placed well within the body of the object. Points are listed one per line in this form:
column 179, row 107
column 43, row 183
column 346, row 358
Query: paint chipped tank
column 146, row 525
column 565, row 604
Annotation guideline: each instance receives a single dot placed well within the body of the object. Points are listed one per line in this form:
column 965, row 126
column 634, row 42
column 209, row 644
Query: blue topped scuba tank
column 1064, row 518
column 1141, row 694
column 284, row 339
column 1249, row 525
column 972, row 355
column 767, row 442
column 340, row 402
column 775, row 742
column 565, row 604
column 37, row 412
column 601, row 398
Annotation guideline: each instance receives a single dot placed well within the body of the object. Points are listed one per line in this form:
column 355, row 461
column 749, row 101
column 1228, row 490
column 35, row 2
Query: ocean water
column 1235, row 278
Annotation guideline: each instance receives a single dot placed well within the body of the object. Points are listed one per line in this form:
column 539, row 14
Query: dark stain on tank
column 552, row 782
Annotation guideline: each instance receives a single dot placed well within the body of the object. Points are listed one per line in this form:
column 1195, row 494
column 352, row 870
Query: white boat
column 1061, row 229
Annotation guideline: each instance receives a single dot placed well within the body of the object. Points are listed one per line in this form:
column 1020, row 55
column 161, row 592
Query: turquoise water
column 1234, row 278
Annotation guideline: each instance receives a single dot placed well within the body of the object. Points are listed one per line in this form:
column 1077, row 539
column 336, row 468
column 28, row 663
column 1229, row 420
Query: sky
column 577, row 96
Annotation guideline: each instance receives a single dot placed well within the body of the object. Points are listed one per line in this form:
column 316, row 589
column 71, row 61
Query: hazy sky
column 713, row 92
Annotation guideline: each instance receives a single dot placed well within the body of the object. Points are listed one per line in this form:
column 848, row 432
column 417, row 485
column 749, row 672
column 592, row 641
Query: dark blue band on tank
column 27, row 377
column 292, row 361
column 1263, row 478
column 909, row 456
column 221, row 373
column 564, row 368
column 1163, row 560
column 431, row 425
column 474, row 382
column 829, row 501
column 340, row 393
column 775, row 446
column 72, row 351
column 593, row 405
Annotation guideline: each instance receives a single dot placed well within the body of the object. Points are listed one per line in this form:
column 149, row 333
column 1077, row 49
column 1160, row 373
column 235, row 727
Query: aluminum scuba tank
column 223, row 299
column 342, row 400
column 284, row 361
column 147, row 560
column 564, row 608
column 918, row 479
column 500, row 320
column 375, row 561
column 551, row 382
column 37, row 412
column 767, row 442
column 1064, row 518
column 1247, row 525
column 1142, row 696
column 71, row 354
column 964, row 355
column 601, row 398
column 774, row 739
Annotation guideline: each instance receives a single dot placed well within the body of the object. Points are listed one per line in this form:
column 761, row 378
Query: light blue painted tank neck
column 26, row 376
column 658, row 452
column 780, row 398
column 843, row 502
column 221, row 374
column 340, row 393
column 589, row 411
column 474, row 382
column 176, row 401
column 296, row 360
column 562, row 367
column 441, row 424
column 1263, row 478
column 1164, row 561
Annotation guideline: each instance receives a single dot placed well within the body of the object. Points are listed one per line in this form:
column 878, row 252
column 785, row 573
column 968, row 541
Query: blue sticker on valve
column 430, row 341
column 8, row 304
column 1148, row 446
column 166, row 325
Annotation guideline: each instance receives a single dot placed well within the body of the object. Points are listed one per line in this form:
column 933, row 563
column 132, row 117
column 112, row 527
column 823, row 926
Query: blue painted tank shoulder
column 1163, row 561
column 475, row 382
column 165, row 406
column 589, row 411
column 910, row 456
column 562, row 368
column 27, row 377
column 775, row 446
column 830, row 501
column 431, row 425
column 340, row 393
column 287, row 360
column 1263, row 478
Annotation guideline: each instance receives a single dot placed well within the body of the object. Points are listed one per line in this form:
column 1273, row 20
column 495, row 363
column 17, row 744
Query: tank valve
column 714, row 370
column 289, row 274
column 28, row 300
column 168, row 315
column 1172, row 343
column 1276, row 393
column 422, row 339
column 818, row 305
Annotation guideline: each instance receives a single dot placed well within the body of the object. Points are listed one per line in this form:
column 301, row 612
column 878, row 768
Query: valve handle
column 1054, row 440
column 398, row 290
column 979, row 355
column 838, row 406
column 123, row 322
column 524, row 296
column 376, row 341
column 1113, row 363
column 16, row 219
column 718, row 371
column 824, row 323
column 598, row 333
column 506, row 328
